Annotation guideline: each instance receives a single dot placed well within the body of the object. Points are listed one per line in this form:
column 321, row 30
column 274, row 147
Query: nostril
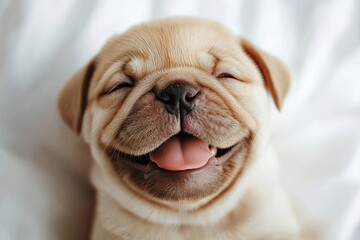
column 190, row 96
column 164, row 97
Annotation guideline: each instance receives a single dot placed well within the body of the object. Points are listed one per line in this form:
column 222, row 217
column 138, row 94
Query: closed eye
column 225, row 75
column 119, row 86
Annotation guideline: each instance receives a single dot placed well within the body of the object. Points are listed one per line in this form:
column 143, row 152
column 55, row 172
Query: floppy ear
column 276, row 77
column 73, row 97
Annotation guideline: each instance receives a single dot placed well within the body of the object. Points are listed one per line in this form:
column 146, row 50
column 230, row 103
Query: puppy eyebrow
column 216, row 61
column 133, row 66
column 125, row 64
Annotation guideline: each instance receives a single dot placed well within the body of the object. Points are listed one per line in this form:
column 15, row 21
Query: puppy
column 176, row 113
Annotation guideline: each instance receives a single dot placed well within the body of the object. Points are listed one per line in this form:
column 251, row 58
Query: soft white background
column 43, row 191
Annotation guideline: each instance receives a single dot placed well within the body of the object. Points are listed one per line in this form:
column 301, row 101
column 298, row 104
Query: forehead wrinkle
column 181, row 44
column 169, row 45
column 158, row 35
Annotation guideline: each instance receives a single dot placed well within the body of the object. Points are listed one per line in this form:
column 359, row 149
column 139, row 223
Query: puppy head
column 172, row 111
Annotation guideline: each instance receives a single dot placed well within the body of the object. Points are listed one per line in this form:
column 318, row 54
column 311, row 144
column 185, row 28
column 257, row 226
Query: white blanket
column 43, row 191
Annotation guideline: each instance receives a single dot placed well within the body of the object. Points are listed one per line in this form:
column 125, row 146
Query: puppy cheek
column 94, row 123
column 252, row 96
column 258, row 104
column 113, row 100
column 86, row 126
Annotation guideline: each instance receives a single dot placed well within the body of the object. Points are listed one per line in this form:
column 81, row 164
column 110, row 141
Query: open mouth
column 181, row 153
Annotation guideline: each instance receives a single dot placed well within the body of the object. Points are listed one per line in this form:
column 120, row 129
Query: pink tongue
column 180, row 154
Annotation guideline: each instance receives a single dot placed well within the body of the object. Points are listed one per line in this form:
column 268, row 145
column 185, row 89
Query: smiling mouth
column 181, row 154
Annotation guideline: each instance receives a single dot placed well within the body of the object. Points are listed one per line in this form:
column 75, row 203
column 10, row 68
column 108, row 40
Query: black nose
column 178, row 98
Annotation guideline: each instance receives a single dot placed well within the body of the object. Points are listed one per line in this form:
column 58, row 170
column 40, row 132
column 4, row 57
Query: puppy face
column 173, row 110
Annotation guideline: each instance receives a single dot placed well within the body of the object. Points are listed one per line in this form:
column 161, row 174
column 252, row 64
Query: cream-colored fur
column 246, row 201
